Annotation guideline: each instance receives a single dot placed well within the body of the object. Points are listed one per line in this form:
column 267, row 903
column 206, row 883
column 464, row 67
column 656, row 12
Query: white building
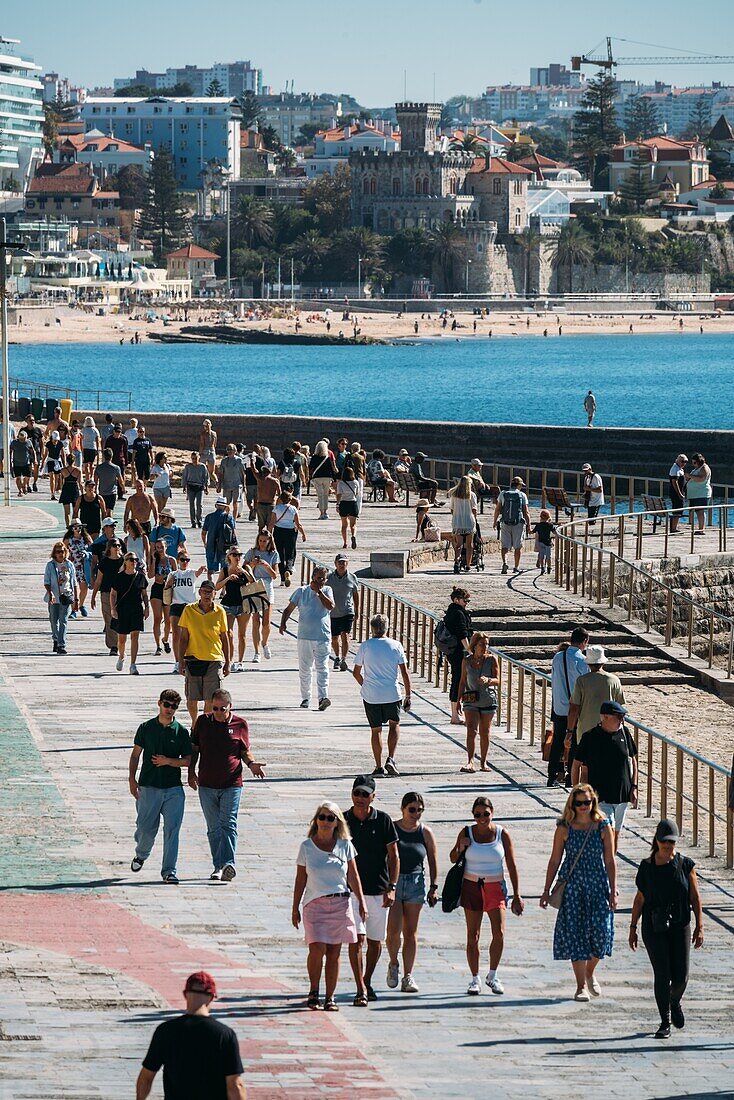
column 234, row 77
column 332, row 147
column 21, row 116
column 106, row 153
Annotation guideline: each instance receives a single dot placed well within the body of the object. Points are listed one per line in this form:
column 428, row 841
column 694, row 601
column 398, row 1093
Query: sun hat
column 595, row 655
column 422, row 503
column 220, row 502
column 167, row 512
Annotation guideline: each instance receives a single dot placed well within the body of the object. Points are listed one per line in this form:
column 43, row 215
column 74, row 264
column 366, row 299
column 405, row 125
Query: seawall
column 640, row 452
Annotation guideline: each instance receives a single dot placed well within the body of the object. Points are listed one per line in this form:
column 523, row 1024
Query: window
column 518, row 218
column 518, row 187
column 157, row 110
column 183, row 127
column 131, row 110
column 373, row 187
column 419, row 187
column 366, row 187
column 496, row 186
column 396, row 186
column 425, row 186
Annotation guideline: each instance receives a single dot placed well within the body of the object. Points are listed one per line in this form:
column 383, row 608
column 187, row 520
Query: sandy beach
column 62, row 325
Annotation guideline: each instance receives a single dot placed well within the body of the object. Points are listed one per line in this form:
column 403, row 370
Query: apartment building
column 21, row 116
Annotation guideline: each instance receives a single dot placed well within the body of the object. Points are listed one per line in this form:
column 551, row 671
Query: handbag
column 451, row 893
column 254, row 597
column 470, row 697
column 168, row 596
column 431, row 534
column 555, row 898
column 547, row 743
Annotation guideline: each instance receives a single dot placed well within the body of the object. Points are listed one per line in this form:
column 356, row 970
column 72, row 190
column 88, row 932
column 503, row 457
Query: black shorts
column 177, row 609
column 379, row 714
column 348, row 508
column 89, row 455
column 21, row 471
column 156, row 591
column 110, row 500
column 341, row 624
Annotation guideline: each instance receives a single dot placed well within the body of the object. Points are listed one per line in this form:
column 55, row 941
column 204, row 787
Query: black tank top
column 411, row 849
column 90, row 514
column 232, row 597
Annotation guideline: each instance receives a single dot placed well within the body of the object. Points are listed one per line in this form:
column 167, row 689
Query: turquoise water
column 676, row 380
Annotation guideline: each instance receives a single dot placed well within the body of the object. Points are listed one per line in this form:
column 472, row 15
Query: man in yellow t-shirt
column 204, row 641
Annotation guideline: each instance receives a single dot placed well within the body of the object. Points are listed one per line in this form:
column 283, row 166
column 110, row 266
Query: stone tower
column 418, row 124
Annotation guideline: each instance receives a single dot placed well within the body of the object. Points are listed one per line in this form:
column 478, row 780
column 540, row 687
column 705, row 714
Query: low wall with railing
column 674, row 781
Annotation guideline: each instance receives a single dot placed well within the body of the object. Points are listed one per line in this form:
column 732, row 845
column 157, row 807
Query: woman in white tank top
column 487, row 849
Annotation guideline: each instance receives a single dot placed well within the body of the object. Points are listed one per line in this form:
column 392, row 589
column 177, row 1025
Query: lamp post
column 467, row 275
column 359, row 277
column 5, row 248
column 229, row 237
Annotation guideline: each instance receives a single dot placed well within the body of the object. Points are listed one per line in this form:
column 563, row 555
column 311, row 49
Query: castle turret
column 418, row 124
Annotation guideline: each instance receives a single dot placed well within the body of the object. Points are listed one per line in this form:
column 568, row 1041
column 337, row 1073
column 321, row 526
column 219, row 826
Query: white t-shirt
column 462, row 512
column 184, row 586
column 595, row 485
column 327, row 871
column 131, row 435
column 380, row 660
column 162, row 475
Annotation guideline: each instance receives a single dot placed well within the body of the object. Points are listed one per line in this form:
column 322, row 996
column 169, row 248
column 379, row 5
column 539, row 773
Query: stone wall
column 611, row 279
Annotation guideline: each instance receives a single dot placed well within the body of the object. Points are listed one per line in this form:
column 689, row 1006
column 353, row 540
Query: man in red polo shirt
column 221, row 742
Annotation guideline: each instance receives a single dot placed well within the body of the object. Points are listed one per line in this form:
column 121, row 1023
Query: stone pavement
column 93, row 957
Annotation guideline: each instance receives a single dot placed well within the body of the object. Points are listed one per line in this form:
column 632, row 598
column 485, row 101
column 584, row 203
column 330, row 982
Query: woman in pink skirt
column 326, row 875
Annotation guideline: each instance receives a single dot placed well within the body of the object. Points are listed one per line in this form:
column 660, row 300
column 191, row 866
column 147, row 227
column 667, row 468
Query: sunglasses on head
column 326, row 817
column 582, row 801
column 482, row 813
column 169, row 706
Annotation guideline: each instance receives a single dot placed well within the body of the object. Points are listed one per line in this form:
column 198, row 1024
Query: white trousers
column 310, row 654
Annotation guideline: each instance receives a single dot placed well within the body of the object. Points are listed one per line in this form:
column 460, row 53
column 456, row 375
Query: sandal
column 330, row 1005
column 312, row 1000
column 360, row 1001
column 467, row 768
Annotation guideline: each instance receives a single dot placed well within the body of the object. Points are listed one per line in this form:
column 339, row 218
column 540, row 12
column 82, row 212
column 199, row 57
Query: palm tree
column 310, row 248
column 470, row 143
column 448, row 247
column 353, row 245
column 572, row 247
column 253, row 221
column 528, row 241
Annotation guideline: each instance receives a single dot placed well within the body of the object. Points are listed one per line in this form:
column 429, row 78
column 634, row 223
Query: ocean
column 673, row 381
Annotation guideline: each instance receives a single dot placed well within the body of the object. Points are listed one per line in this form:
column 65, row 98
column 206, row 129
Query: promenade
column 93, row 956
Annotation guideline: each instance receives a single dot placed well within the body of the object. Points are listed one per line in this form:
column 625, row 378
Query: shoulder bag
column 254, row 597
column 451, row 893
column 555, row 898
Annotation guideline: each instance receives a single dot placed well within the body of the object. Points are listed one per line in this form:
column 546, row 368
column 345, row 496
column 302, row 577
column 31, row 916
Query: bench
column 491, row 494
column 558, row 498
column 655, row 504
column 375, row 492
column 405, row 483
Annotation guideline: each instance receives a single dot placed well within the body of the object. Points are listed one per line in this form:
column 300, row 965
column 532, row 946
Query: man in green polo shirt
column 165, row 746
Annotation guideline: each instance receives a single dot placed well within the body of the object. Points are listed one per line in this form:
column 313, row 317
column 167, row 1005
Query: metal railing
column 22, row 387
column 586, row 566
column 673, row 779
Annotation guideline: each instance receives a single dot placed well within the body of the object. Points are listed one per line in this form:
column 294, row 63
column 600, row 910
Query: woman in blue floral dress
column 584, row 931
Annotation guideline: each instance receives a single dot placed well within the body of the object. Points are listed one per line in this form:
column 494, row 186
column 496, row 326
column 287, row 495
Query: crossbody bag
column 555, row 898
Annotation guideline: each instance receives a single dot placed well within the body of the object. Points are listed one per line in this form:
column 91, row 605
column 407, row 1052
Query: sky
column 372, row 50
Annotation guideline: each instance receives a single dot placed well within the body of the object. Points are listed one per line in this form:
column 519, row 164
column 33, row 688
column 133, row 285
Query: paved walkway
column 92, row 956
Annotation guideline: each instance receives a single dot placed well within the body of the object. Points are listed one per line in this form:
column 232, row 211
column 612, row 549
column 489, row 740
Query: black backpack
column 444, row 641
column 226, row 537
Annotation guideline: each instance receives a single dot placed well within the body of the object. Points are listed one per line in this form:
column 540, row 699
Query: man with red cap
column 200, row 1056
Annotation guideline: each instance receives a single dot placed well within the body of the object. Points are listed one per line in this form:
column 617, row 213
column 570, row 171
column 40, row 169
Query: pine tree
column 641, row 118
column 595, row 127
column 250, row 111
column 163, row 216
column 699, row 122
column 637, row 186
column 215, row 89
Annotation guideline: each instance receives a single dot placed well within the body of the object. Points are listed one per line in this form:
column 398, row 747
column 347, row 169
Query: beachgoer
column 208, row 447
column 568, row 664
column 141, row 506
column 161, row 567
column 378, row 477
column 181, row 582
column 109, row 563
column 379, row 666
column 78, row 542
column 194, row 483
column 231, row 578
column 204, row 647
column 129, row 607
column 543, row 531
column 218, row 534
column 590, row 407
column 345, row 589
column 108, row 481
column 168, row 530
column 314, row 601
column 698, row 491
column 263, row 559
column 593, row 491
column 91, row 445
column 427, row 486
column 321, row 474
column 161, row 474
column 62, row 594
column 463, row 504
column 512, row 508
column 231, row 478
column 285, row 526
column 142, row 450
column 677, row 482
column 457, row 621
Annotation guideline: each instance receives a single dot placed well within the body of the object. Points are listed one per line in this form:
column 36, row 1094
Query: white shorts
column 375, row 927
column 615, row 812
column 512, row 536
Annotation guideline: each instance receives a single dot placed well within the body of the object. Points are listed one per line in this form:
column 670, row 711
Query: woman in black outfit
column 667, row 891
column 458, row 621
column 90, row 509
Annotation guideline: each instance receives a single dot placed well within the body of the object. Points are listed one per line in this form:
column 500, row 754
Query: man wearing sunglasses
column 221, row 743
column 165, row 747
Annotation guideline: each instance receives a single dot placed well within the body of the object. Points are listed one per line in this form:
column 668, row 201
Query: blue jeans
column 220, row 806
column 58, row 613
column 155, row 803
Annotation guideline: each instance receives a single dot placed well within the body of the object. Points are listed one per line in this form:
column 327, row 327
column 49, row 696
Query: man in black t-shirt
column 35, row 436
column 606, row 757
column 200, row 1057
column 376, row 840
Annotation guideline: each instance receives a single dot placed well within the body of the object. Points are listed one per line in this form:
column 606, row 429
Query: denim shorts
column 412, row 887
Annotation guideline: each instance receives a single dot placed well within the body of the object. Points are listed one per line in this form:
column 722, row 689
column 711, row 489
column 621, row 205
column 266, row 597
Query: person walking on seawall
column 220, row 744
column 182, row 584
column 200, row 1057
column 165, row 748
column 345, row 590
column 230, row 581
column 512, row 509
column 218, row 534
column 379, row 665
column 568, row 664
column 129, row 607
column 263, row 559
column 326, row 876
column 91, row 445
column 268, row 489
column 118, row 445
column 208, row 447
column 698, row 491
column 606, row 758
column 487, row 848
column 416, row 843
column 583, row 849
column 194, row 483
column 231, row 478
column 667, row 891
column 543, row 531
column 593, row 491
column 321, row 473
column 590, row 408
column 285, row 526
column 478, row 695
column 463, row 505
column 62, row 593
column 589, row 692
column 378, row 863
column 141, row 505
column 348, row 504
column 78, row 543
column 458, row 622
column 677, row 482
column 161, row 567
column 204, row 646
column 314, row 601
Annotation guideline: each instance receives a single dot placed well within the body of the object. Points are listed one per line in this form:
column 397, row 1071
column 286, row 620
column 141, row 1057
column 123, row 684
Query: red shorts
column 483, row 897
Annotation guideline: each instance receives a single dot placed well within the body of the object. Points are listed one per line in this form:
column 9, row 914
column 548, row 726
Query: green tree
column 143, row 91
column 311, row 249
column 271, row 137
column 528, row 242
column 12, row 184
column 163, row 218
column 595, row 128
column 572, row 247
column 408, row 252
column 470, row 143
column 250, row 110
column 215, row 88
column 132, row 183
column 448, row 249
column 50, row 128
column 699, row 122
column 637, row 187
column 551, row 141
column 252, row 221
column 308, row 132
column 718, row 191
column 641, row 118
column 329, row 199
column 351, row 245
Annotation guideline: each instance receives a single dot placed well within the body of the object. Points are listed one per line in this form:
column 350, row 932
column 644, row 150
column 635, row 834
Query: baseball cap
column 666, row 830
column 201, row 982
column 586, row 466
column 341, row 557
column 207, row 584
column 364, row 783
column 612, row 707
column 117, row 427
column 402, row 452
column 221, row 502
column 109, row 522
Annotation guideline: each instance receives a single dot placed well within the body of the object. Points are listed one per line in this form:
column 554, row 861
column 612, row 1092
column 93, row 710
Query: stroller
column 460, row 565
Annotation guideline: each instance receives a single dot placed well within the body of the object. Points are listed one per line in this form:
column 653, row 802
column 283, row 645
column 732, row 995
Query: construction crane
column 609, row 62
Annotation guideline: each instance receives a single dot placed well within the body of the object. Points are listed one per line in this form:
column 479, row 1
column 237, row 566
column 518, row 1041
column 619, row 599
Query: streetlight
column 359, row 277
column 467, row 275
column 5, row 248
column 229, row 237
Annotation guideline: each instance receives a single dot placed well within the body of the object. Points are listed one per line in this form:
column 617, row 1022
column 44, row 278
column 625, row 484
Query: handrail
column 696, row 791
column 579, row 567
column 51, row 389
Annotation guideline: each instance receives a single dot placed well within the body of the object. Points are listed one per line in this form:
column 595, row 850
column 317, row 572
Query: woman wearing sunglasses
column 326, row 875
column 416, row 843
column 107, row 571
column 231, row 578
column 130, row 607
column 583, row 848
column 487, row 849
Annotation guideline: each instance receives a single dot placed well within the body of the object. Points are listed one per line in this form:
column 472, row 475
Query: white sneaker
column 495, row 985
column 215, row 876
column 475, row 986
column 256, row 659
column 581, row 995
column 119, row 663
column 266, row 652
column 393, row 972
column 175, row 669
column 408, row 985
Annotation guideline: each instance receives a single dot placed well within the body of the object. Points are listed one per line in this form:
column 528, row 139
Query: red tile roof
column 67, row 179
column 499, row 166
column 192, row 252
column 81, row 143
column 668, row 148
column 537, row 159
column 337, row 132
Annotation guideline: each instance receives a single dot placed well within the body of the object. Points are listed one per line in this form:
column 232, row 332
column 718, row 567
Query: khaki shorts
column 512, row 536
column 200, row 688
